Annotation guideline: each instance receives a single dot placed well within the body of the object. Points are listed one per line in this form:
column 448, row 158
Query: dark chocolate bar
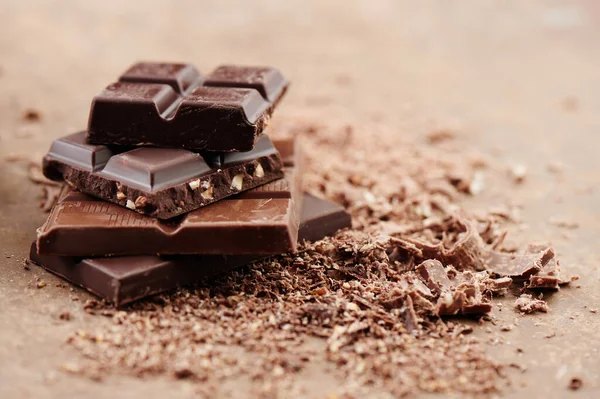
column 122, row 280
column 160, row 182
column 171, row 105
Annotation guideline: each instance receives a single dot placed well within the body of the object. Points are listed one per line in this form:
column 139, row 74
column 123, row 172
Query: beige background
column 516, row 79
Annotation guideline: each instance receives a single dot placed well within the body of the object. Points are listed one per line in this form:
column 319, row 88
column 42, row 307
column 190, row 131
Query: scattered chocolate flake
column 575, row 383
column 440, row 135
column 32, row 115
column 527, row 304
column 66, row 315
column 367, row 301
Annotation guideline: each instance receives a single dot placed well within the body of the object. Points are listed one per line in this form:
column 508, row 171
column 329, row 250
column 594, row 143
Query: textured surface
column 517, row 79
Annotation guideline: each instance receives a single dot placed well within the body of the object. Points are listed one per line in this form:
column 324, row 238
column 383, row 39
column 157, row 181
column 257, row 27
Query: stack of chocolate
column 174, row 180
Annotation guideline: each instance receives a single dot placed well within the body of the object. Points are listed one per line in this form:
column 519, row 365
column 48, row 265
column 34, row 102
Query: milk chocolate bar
column 172, row 105
column 160, row 182
column 124, row 279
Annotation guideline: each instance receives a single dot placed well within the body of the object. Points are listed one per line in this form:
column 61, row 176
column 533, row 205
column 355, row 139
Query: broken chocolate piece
column 159, row 182
column 518, row 265
column 170, row 105
column 433, row 273
column 462, row 294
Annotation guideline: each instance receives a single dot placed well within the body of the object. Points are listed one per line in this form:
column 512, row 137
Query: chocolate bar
column 160, row 182
column 122, row 280
column 171, row 105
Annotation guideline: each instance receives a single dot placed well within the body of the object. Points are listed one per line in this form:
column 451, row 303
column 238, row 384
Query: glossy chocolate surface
column 172, row 105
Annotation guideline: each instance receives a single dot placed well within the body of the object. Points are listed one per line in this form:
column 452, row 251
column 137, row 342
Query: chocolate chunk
column 461, row 294
column 518, row 265
column 433, row 273
column 170, row 182
column 528, row 304
column 125, row 279
column 259, row 221
column 548, row 278
column 170, row 105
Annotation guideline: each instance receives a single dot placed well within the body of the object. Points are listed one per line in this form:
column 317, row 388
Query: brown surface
column 518, row 81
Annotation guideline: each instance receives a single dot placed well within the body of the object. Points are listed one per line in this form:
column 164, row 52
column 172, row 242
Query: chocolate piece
column 259, row 221
column 159, row 182
column 526, row 303
column 518, row 265
column 460, row 295
column 169, row 105
column 125, row 279
column 434, row 275
column 548, row 278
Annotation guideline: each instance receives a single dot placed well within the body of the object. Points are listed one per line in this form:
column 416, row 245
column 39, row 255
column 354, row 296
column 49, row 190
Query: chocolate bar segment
column 267, row 80
column 160, row 182
column 169, row 105
column 122, row 280
column 181, row 77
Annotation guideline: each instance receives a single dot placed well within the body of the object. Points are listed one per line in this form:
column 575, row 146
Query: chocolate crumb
column 551, row 334
column 66, row 315
column 575, row 384
column 527, row 304
column 32, row 115
column 440, row 135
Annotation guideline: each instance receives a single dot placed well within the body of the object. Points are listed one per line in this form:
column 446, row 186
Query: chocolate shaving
column 366, row 302
column 518, row 265
column 463, row 294
column 465, row 250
